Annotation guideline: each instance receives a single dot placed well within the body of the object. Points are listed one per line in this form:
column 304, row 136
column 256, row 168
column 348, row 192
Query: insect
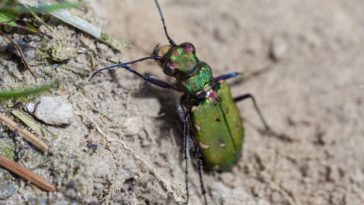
column 211, row 120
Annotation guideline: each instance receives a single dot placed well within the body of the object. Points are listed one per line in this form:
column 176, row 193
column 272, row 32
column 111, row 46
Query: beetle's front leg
column 225, row 76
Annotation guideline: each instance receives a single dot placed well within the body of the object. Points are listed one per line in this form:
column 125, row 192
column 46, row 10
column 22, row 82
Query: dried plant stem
column 22, row 57
column 28, row 136
column 26, row 174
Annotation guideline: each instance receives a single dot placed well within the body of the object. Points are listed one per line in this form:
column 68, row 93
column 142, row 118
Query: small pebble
column 29, row 52
column 54, row 111
column 6, row 191
column 30, row 107
column 101, row 47
column 3, row 44
column 278, row 48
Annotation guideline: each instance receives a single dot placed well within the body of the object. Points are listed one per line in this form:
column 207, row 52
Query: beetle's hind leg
column 200, row 172
column 250, row 96
column 184, row 117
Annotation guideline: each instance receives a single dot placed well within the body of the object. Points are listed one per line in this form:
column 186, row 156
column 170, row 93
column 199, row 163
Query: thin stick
column 22, row 57
column 26, row 174
column 28, row 136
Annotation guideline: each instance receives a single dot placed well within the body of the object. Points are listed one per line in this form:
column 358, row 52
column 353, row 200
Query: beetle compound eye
column 188, row 47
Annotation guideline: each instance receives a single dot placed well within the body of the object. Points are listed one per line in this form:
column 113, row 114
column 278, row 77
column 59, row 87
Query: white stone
column 54, row 110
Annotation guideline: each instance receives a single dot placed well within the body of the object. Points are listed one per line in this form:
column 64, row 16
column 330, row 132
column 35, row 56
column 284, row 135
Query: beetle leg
column 250, row 96
column 184, row 116
column 200, row 173
column 225, row 76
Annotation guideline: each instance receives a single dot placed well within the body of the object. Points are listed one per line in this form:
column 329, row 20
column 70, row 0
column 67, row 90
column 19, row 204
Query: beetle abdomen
column 219, row 129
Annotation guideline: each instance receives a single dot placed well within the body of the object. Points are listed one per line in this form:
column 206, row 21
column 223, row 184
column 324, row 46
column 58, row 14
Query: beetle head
column 178, row 60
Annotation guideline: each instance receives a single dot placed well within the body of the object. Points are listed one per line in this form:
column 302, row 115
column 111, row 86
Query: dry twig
column 28, row 136
column 21, row 54
column 26, row 174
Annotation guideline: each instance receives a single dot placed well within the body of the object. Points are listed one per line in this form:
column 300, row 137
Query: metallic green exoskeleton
column 221, row 136
column 210, row 117
column 217, row 125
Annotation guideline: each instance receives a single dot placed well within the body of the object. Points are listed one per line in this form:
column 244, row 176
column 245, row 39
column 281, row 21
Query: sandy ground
column 300, row 59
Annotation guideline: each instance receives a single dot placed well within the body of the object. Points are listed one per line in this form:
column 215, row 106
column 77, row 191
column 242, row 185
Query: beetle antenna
column 164, row 24
column 153, row 81
column 123, row 65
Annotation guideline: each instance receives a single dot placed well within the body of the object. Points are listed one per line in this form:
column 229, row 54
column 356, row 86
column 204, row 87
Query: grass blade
column 25, row 92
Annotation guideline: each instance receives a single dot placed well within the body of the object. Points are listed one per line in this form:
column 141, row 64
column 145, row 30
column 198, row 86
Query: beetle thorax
column 200, row 81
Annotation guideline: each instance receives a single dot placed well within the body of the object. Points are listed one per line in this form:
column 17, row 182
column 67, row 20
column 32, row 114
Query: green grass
column 25, row 91
column 11, row 12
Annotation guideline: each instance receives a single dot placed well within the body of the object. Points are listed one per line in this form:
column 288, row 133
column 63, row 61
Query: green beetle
column 210, row 117
column 217, row 126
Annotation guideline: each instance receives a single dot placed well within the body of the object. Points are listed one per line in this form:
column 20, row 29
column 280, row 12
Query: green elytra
column 217, row 125
column 208, row 110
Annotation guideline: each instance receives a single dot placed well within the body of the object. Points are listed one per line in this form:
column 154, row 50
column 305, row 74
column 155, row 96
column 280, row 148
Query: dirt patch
column 301, row 60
